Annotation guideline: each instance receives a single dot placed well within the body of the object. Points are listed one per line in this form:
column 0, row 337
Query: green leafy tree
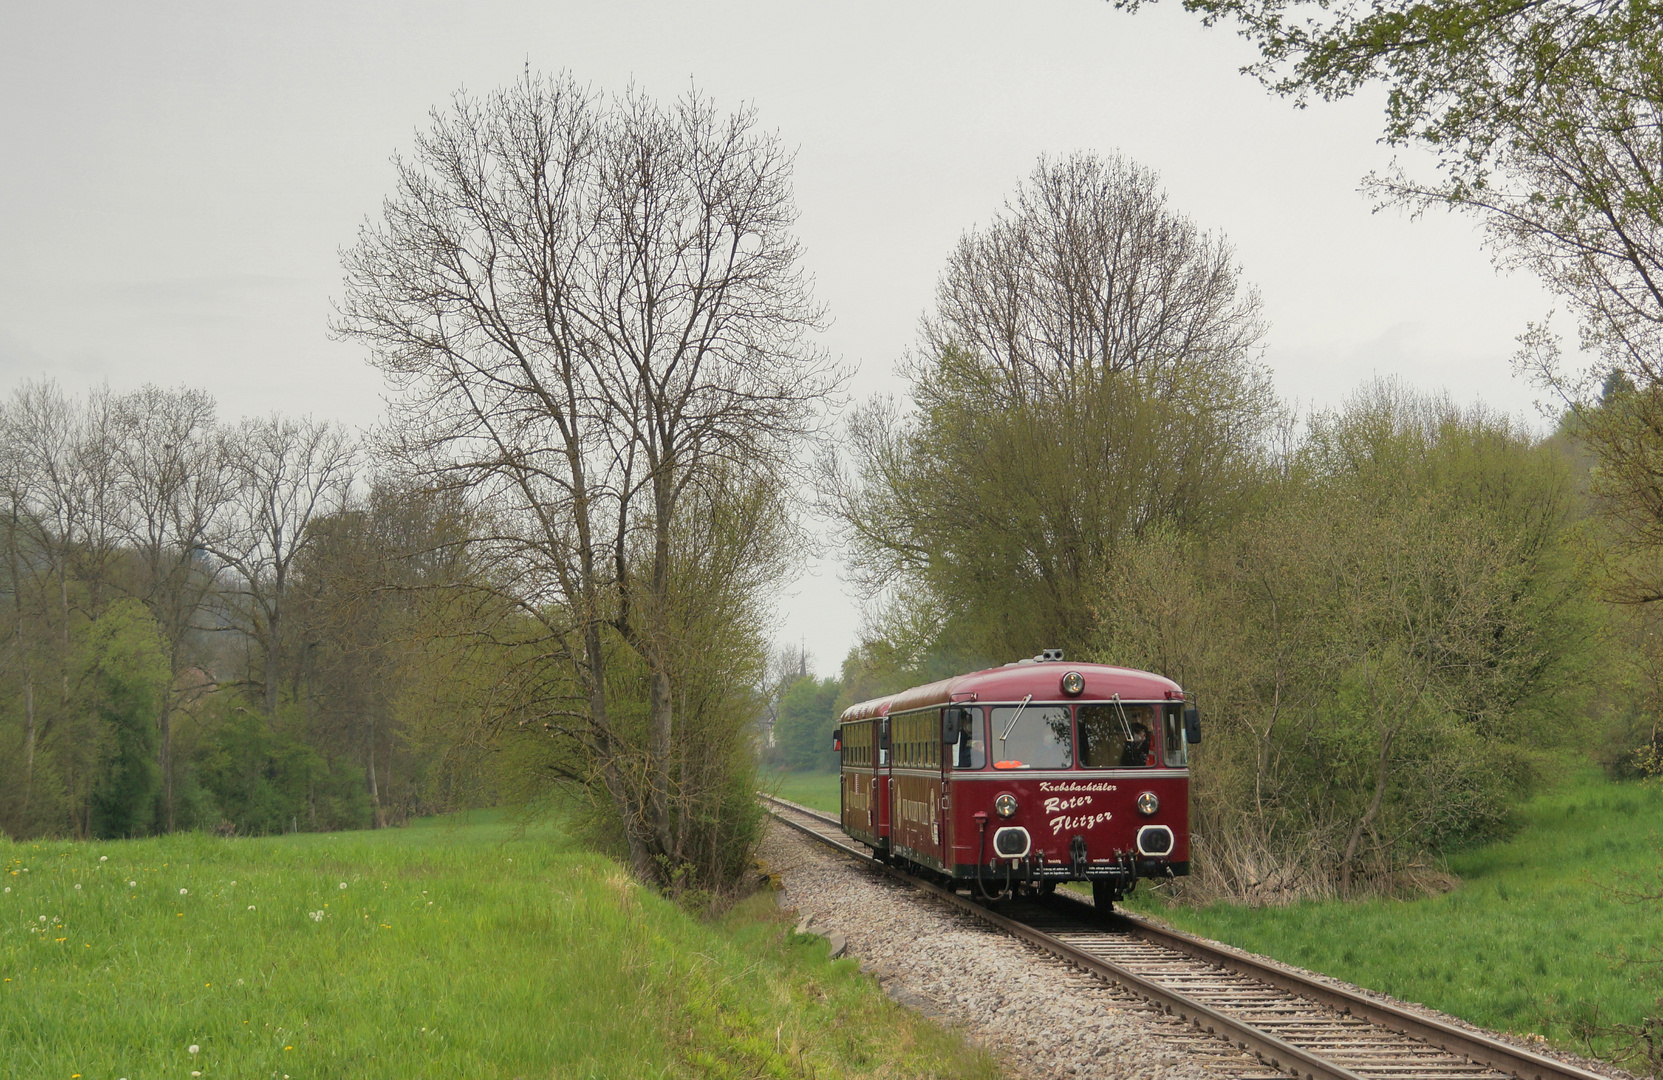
column 123, row 682
column 1387, row 652
column 1544, row 120
column 807, row 711
column 1543, row 117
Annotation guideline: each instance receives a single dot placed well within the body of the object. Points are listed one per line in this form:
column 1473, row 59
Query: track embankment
column 1064, row 992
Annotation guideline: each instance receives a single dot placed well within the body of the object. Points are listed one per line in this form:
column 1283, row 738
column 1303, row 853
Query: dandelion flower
column 343, row 884
column 193, row 1048
column 233, row 883
column 132, row 884
column 77, row 886
column 43, row 918
column 8, row 888
column 196, row 1072
column 251, row 907
column 103, row 858
column 182, row 892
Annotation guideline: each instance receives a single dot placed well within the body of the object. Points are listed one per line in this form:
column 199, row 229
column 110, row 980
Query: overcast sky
column 177, row 179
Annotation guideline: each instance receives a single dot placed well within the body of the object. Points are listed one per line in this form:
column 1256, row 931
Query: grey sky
column 176, row 180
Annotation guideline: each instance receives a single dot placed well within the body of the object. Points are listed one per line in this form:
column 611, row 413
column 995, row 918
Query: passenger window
column 1035, row 737
column 1116, row 736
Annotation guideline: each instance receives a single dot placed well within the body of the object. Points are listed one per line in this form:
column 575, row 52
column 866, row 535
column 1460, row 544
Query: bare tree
column 283, row 474
column 171, row 475
column 1090, row 370
column 1088, row 273
column 594, row 312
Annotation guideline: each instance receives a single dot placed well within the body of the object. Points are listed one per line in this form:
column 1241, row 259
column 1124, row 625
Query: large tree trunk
column 28, row 740
column 273, row 659
column 661, row 704
column 375, row 790
column 165, row 757
column 1382, row 777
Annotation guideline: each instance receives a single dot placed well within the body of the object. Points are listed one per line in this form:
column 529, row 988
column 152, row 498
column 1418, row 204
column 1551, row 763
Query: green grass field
column 817, row 789
column 1528, row 943
column 465, row 949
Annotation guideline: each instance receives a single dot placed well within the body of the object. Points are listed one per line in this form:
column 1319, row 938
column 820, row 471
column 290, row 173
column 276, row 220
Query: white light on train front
column 1148, row 803
column 1073, row 683
column 1005, row 805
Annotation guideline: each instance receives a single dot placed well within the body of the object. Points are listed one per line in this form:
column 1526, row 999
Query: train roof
column 1040, row 678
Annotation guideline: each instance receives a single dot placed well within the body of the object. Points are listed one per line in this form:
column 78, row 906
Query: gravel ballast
column 1046, row 1018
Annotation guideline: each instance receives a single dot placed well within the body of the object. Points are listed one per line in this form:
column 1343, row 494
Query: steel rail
column 1275, row 1052
column 1480, row 1049
column 1447, row 1037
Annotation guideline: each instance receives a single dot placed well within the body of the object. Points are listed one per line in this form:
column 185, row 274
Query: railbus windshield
column 1115, row 735
column 1032, row 737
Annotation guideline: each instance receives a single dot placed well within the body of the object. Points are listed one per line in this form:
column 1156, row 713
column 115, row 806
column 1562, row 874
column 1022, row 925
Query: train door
column 859, row 811
column 881, row 781
column 915, row 802
column 943, row 785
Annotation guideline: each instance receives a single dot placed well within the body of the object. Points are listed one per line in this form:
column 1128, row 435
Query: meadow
column 815, row 789
column 466, row 948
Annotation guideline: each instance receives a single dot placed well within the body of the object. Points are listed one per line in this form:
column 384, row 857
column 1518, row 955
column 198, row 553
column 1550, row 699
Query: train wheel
column 1103, row 894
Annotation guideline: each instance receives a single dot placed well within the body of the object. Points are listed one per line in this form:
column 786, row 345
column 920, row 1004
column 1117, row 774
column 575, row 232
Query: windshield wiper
column 1010, row 726
column 1125, row 725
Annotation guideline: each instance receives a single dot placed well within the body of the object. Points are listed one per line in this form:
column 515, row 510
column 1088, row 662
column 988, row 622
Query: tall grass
column 1531, row 940
column 470, row 949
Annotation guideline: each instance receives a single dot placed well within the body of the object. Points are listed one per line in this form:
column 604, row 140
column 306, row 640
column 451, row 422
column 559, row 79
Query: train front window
column 1116, row 736
column 1032, row 737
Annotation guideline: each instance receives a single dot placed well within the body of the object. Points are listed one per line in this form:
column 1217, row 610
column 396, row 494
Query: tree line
column 196, row 629
column 606, row 408
column 545, row 575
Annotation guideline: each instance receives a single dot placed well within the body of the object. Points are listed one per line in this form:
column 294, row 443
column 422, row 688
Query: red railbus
column 1015, row 778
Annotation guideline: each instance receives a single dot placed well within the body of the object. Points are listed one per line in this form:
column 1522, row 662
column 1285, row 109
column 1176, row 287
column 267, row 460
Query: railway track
column 1290, row 1023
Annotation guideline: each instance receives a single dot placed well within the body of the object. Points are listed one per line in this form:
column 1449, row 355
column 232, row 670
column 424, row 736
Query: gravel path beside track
column 1046, row 1018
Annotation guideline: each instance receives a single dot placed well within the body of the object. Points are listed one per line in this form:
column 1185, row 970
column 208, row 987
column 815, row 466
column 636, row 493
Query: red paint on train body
column 1025, row 775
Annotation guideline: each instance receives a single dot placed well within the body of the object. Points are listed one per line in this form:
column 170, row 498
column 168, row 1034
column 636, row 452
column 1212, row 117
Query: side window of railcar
column 1116, row 736
column 1035, row 737
column 970, row 752
column 1173, row 746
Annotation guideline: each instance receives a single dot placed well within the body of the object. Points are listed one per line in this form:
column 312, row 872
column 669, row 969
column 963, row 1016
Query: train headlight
column 1005, row 805
column 1012, row 842
column 1148, row 803
column 1154, row 841
column 1073, row 683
